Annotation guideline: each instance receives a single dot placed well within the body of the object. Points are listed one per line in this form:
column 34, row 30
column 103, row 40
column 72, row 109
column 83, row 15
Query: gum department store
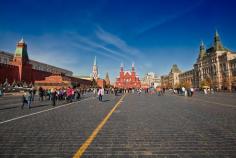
column 215, row 67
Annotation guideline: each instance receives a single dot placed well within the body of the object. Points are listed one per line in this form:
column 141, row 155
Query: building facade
column 233, row 70
column 151, row 79
column 186, row 78
column 127, row 79
column 172, row 79
column 215, row 66
column 20, row 68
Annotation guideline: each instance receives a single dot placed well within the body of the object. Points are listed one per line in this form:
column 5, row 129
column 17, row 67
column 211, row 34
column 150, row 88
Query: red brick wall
column 38, row 75
column 10, row 72
column 101, row 83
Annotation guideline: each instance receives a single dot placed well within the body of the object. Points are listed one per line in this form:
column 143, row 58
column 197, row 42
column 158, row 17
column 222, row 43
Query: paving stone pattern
column 167, row 127
column 144, row 125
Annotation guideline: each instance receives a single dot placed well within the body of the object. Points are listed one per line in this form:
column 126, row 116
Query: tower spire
column 217, row 42
column 107, row 80
column 95, row 61
column 216, row 33
column 95, row 69
column 121, row 67
column 132, row 66
column 22, row 40
column 202, row 50
column 21, row 51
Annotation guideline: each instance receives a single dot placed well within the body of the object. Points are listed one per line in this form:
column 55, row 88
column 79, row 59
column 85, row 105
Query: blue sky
column 152, row 33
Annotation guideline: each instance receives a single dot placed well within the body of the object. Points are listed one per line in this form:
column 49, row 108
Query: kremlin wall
column 19, row 68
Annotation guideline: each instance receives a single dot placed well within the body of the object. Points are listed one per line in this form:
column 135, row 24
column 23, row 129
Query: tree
column 205, row 83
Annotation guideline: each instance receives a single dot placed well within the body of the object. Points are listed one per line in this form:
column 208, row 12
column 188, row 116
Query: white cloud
column 92, row 45
column 117, row 42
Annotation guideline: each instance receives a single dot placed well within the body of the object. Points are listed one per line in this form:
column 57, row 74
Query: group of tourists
column 52, row 94
column 184, row 91
column 208, row 91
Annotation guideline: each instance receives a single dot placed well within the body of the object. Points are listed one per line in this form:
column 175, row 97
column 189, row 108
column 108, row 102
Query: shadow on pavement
column 37, row 106
column 7, row 108
column 105, row 100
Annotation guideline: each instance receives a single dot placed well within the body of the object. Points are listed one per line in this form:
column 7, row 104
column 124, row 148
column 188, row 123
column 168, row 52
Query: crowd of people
column 184, row 91
column 190, row 91
column 69, row 94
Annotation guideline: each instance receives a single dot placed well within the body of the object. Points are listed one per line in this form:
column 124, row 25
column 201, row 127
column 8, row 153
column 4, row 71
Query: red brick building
column 21, row 69
column 127, row 79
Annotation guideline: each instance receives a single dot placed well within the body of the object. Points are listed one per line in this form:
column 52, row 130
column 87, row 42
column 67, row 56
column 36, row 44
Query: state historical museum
column 127, row 79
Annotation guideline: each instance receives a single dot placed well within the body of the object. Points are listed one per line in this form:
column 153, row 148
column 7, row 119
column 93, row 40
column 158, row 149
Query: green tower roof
column 21, row 50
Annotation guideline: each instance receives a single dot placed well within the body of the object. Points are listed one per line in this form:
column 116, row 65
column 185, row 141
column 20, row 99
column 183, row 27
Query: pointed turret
column 21, row 51
column 22, row 40
column 133, row 66
column 121, row 70
column 175, row 69
column 202, row 50
column 217, row 42
column 121, row 67
column 95, row 61
column 107, row 80
column 95, row 69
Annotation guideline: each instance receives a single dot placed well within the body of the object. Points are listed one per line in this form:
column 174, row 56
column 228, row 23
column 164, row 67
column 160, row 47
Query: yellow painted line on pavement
column 86, row 144
column 211, row 102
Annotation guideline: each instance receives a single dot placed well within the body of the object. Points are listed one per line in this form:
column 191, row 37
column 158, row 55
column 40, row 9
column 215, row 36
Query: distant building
column 216, row 66
column 127, row 79
column 172, row 79
column 18, row 67
column 101, row 83
column 58, row 81
column 151, row 79
column 107, row 80
column 94, row 74
column 186, row 78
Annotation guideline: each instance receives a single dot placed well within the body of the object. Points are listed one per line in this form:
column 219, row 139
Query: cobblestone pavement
column 168, row 126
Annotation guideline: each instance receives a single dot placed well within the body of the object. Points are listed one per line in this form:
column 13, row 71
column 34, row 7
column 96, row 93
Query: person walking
column 27, row 99
column 33, row 93
column 192, row 91
column 24, row 100
column 54, row 97
column 69, row 94
column 41, row 93
column 30, row 94
column 100, row 93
